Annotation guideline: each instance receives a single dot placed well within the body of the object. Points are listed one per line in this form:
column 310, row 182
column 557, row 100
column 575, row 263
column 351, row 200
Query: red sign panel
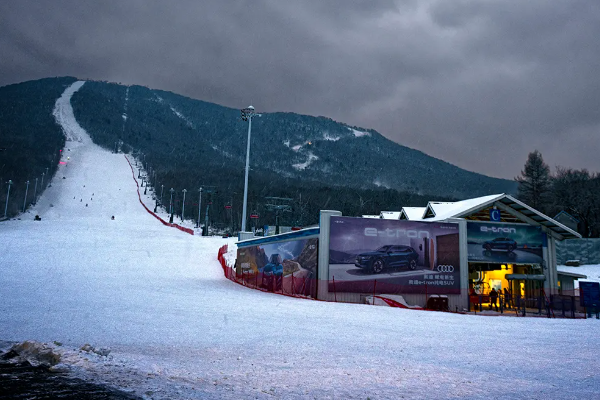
column 253, row 215
column 228, row 207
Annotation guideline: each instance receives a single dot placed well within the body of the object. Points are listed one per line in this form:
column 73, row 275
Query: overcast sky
column 479, row 84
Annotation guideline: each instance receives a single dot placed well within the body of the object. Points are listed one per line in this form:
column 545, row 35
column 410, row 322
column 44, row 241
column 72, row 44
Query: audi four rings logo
column 445, row 268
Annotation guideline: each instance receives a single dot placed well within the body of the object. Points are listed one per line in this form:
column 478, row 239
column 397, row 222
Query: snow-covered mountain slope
column 177, row 329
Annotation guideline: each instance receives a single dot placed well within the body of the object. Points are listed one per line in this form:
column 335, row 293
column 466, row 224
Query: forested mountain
column 316, row 162
column 30, row 139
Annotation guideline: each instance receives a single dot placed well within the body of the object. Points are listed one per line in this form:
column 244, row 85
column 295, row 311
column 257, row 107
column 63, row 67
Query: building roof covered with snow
column 479, row 208
column 412, row 213
column 390, row 215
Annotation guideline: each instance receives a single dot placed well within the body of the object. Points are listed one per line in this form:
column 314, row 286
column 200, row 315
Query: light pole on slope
column 25, row 201
column 183, row 205
column 171, row 205
column 7, row 195
column 199, row 208
column 162, row 187
column 247, row 115
column 35, row 192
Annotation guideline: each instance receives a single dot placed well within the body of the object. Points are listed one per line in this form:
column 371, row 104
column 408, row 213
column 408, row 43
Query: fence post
column 293, row 284
column 304, row 286
column 374, row 287
column 334, row 292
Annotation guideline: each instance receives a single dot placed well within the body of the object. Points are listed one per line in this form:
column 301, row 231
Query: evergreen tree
column 578, row 193
column 535, row 182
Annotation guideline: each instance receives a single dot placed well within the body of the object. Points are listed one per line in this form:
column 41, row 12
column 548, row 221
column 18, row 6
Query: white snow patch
column 297, row 147
column 379, row 183
column 359, row 133
column 125, row 107
column 591, row 271
column 225, row 153
column 328, row 137
column 286, row 143
column 304, row 165
column 183, row 117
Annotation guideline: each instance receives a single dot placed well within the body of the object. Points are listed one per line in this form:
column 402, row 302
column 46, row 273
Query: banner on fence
column 288, row 267
column 393, row 256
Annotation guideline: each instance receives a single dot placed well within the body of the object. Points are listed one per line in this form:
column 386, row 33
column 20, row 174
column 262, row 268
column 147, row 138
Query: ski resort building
column 456, row 253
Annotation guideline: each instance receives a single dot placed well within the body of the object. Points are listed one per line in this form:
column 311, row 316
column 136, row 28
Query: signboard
column 369, row 255
column 495, row 215
column 589, row 294
column 289, row 266
column 227, row 206
column 253, row 215
column 504, row 243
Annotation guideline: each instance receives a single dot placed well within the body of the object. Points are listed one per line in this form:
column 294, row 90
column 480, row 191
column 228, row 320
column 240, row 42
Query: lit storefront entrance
column 516, row 286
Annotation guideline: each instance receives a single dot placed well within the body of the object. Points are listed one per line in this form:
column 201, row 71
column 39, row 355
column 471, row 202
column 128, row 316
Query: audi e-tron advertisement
column 368, row 255
column 505, row 243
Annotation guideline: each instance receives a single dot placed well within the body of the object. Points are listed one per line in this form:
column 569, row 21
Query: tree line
column 575, row 191
column 30, row 141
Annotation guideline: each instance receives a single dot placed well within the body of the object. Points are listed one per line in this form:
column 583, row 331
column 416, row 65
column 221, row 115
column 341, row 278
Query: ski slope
column 177, row 329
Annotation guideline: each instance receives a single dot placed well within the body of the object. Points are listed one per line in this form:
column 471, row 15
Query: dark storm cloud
column 476, row 83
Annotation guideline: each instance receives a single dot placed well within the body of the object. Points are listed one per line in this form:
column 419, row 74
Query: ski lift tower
column 247, row 115
column 279, row 205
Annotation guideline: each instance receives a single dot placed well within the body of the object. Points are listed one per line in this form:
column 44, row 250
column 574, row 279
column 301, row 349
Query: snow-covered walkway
column 178, row 329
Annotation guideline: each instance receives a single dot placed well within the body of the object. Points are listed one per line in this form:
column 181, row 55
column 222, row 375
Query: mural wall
column 289, row 267
column 392, row 256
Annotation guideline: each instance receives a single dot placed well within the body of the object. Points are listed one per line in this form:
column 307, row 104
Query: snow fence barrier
column 181, row 228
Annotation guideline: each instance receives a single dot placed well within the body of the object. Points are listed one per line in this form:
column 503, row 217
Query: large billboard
column 505, row 243
column 369, row 255
column 288, row 267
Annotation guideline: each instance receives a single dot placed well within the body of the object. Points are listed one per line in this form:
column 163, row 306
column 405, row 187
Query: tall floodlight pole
column 162, row 187
column 7, row 194
column 35, row 192
column 171, row 205
column 247, row 115
column 206, row 218
column 199, row 207
column 42, row 185
column 183, row 205
column 25, row 201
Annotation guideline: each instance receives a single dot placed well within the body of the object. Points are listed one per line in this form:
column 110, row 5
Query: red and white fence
column 181, row 228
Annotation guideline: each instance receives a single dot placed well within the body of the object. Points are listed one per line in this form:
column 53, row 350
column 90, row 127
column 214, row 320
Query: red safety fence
column 228, row 271
column 181, row 228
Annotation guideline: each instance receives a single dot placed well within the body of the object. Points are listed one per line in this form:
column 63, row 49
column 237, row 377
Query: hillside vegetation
column 30, row 139
column 316, row 162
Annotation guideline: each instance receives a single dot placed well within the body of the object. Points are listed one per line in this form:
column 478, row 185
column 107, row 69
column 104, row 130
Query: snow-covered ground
column 177, row 329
